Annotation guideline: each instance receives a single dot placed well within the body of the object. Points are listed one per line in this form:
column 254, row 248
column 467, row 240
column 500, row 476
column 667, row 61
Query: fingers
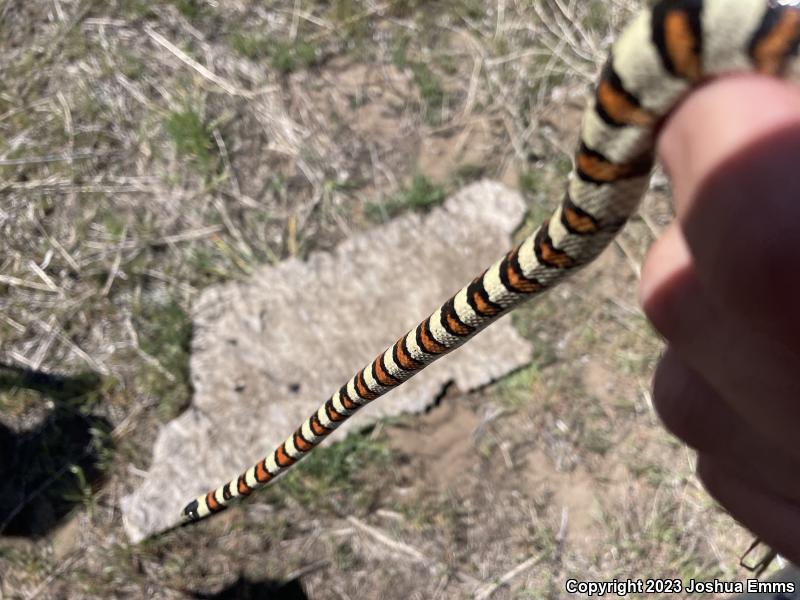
column 694, row 412
column 717, row 122
column 723, row 286
column 757, row 376
column 731, row 149
column 776, row 520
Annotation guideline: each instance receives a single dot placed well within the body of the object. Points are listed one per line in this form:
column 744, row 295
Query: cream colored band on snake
column 659, row 57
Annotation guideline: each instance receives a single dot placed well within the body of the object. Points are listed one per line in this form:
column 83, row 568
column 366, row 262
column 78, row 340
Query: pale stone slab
column 268, row 351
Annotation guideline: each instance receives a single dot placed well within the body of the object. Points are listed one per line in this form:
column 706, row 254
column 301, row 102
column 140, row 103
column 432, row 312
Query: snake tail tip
column 190, row 511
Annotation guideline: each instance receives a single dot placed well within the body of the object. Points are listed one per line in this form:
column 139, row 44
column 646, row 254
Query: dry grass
column 150, row 149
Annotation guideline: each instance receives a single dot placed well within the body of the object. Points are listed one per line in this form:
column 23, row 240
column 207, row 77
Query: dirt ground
column 148, row 150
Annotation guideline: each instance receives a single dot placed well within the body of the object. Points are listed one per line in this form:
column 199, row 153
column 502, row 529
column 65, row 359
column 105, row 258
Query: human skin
column 722, row 285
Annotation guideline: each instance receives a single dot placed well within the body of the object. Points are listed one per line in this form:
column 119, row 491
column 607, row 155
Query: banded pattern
column 655, row 61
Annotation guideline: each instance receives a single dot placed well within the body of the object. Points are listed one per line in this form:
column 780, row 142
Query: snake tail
column 656, row 60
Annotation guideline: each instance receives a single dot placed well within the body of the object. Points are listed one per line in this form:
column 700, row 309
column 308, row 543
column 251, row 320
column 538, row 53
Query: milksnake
column 656, row 60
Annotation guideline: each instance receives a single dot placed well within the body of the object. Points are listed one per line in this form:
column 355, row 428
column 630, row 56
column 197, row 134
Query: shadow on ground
column 243, row 589
column 48, row 470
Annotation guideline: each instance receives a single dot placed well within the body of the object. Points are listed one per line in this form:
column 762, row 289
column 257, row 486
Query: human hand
column 722, row 285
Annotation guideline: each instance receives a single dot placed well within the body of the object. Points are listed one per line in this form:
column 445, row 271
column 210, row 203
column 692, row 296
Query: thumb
column 731, row 149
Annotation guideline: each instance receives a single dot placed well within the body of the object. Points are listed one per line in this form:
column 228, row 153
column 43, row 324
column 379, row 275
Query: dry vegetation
column 150, row 149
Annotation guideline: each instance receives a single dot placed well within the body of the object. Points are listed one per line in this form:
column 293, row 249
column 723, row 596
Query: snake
column 664, row 53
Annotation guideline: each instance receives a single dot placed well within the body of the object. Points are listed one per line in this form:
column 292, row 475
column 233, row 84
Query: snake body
column 657, row 59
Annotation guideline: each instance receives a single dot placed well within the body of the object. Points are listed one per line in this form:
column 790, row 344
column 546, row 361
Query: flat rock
column 268, row 351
